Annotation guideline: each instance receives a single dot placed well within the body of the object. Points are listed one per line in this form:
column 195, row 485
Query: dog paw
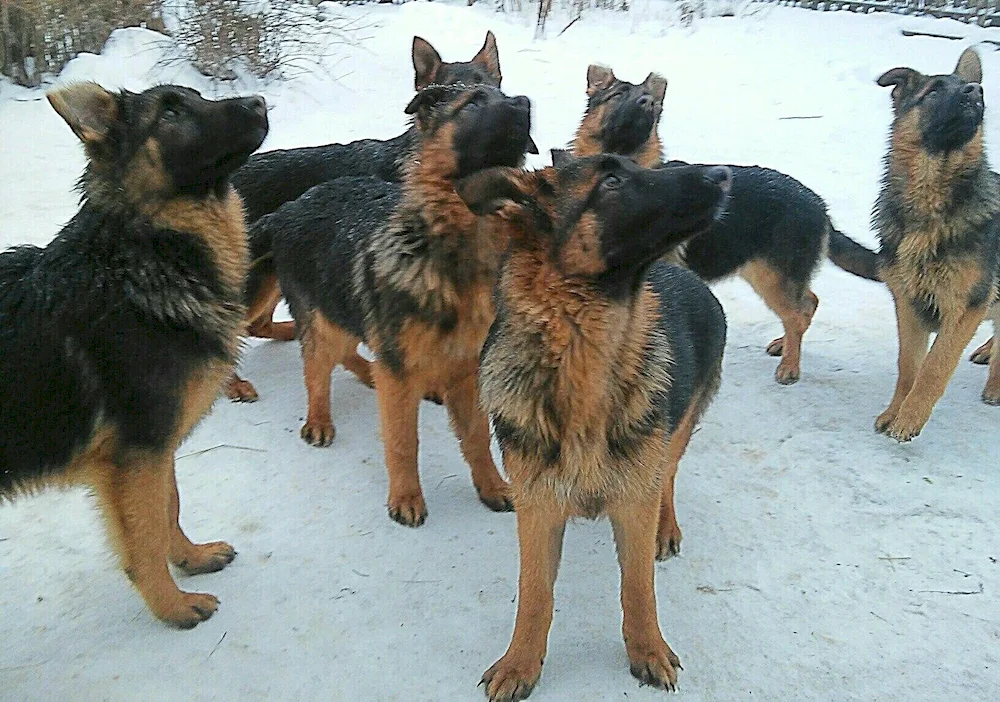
column 905, row 426
column 497, row 499
column 511, row 679
column 982, row 355
column 786, row 374
column 655, row 665
column 668, row 542
column 776, row 347
column 239, row 390
column 409, row 510
column 207, row 558
column 883, row 421
column 991, row 396
column 318, row 433
column 189, row 610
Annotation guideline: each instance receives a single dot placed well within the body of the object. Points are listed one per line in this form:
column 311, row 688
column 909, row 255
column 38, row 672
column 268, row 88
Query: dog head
column 621, row 117
column 161, row 143
column 603, row 217
column 938, row 113
column 430, row 69
column 465, row 128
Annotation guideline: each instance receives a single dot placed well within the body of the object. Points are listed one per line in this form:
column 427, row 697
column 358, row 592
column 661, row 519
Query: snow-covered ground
column 820, row 560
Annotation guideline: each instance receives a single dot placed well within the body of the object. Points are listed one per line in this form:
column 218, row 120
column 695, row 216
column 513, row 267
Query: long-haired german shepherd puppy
column 596, row 371
column 938, row 221
column 775, row 231
column 409, row 270
column 272, row 178
column 116, row 338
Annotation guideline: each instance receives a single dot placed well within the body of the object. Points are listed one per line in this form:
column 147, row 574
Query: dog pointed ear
column 424, row 101
column 426, row 63
column 656, row 85
column 88, row 109
column 599, row 78
column 489, row 57
column 969, row 68
column 903, row 80
column 500, row 190
column 561, row 157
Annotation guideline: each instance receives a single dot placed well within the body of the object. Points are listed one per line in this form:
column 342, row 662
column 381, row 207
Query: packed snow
column 820, row 559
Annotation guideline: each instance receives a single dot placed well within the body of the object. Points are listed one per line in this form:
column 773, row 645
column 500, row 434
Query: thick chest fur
column 220, row 224
column 937, row 222
column 577, row 392
column 427, row 292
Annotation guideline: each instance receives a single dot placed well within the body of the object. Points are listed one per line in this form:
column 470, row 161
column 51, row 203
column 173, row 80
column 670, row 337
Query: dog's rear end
column 595, row 373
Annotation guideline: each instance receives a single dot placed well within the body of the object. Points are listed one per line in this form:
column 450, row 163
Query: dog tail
column 851, row 256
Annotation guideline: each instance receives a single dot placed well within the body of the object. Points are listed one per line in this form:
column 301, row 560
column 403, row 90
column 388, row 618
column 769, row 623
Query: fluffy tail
column 854, row 258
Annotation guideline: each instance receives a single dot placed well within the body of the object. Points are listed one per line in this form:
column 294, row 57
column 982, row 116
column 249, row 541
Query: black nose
column 521, row 102
column 256, row 104
column 972, row 89
column 645, row 101
column 721, row 176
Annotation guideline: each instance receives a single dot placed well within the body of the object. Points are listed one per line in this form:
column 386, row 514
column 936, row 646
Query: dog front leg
column 541, row 523
column 398, row 407
column 934, row 374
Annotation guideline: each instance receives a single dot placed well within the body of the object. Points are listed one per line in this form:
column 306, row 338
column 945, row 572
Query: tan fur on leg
column 650, row 658
column 934, row 374
column 473, row 430
column 541, row 524
column 398, row 405
column 795, row 316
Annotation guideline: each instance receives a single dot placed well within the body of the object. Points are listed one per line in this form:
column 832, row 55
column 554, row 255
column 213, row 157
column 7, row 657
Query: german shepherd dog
column 938, row 221
column 272, row 178
column 409, row 270
column 115, row 339
column 775, row 231
column 595, row 373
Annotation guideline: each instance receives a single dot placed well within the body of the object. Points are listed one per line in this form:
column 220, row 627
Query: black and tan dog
column 938, row 221
column 115, row 339
column 595, row 373
column 272, row 178
column 775, row 231
column 409, row 270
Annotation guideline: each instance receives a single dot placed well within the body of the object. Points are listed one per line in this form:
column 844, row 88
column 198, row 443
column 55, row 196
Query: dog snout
column 521, row 102
column 721, row 176
column 256, row 104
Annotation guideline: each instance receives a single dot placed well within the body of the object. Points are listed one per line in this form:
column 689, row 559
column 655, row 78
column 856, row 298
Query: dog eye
column 473, row 104
column 611, row 181
column 169, row 113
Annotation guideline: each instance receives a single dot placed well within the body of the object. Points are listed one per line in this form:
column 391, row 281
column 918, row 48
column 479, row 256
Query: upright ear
column 500, row 190
column 969, row 68
column 426, row 63
column 598, row 78
column 562, row 157
column 425, row 101
column 489, row 57
column 88, row 109
column 656, row 85
column 903, row 80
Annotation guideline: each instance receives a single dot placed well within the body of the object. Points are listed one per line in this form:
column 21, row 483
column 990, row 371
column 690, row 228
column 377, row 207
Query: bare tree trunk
column 543, row 12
